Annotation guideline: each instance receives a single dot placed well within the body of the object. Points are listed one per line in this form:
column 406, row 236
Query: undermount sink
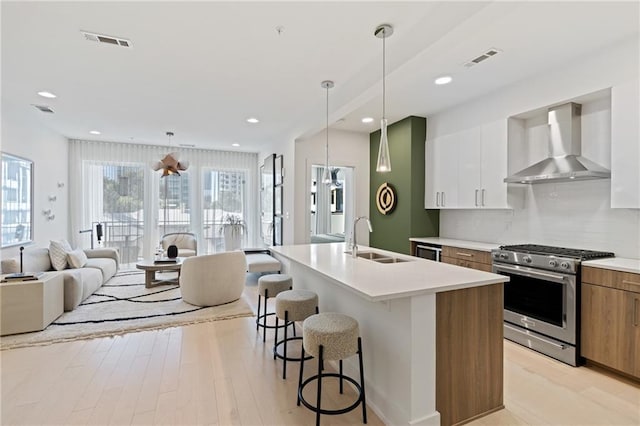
column 380, row 258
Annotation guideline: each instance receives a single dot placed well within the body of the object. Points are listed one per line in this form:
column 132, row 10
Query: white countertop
column 376, row 281
column 473, row 245
column 616, row 263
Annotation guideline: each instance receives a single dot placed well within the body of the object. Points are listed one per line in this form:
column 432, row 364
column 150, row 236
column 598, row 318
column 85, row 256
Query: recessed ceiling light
column 252, row 120
column 94, row 132
column 235, row 144
column 367, row 120
column 445, row 79
column 46, row 94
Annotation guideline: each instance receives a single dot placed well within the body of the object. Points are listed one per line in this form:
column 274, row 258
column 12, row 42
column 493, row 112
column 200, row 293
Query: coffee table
column 150, row 268
column 31, row 305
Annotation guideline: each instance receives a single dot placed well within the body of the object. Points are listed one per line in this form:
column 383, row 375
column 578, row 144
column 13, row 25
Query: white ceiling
column 201, row 68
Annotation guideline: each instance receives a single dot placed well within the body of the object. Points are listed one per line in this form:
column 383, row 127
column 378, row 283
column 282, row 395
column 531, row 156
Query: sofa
column 79, row 283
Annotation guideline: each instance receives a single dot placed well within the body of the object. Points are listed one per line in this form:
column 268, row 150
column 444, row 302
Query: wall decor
column 386, row 198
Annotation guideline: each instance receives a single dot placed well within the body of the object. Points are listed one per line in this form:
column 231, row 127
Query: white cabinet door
column 447, row 154
column 469, row 168
column 431, row 198
column 493, row 191
column 625, row 146
column 441, row 172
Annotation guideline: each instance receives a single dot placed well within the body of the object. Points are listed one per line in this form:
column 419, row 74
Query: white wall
column 574, row 214
column 48, row 150
column 346, row 149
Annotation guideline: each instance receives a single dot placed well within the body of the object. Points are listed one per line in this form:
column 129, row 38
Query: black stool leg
column 300, row 376
column 363, row 398
column 341, row 376
column 284, row 360
column 264, row 318
column 319, row 386
column 275, row 341
column 258, row 318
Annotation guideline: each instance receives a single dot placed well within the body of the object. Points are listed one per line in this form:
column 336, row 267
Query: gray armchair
column 185, row 241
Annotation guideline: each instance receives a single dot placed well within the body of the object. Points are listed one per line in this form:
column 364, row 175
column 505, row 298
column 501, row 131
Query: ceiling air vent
column 44, row 108
column 101, row 38
column 483, row 57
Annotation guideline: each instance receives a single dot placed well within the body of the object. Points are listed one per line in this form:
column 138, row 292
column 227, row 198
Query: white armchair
column 213, row 279
column 185, row 241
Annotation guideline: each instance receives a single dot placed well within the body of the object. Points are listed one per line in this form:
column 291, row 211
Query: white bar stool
column 331, row 336
column 292, row 305
column 268, row 287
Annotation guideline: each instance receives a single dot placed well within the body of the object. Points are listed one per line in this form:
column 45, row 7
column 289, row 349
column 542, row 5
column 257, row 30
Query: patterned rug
column 124, row 305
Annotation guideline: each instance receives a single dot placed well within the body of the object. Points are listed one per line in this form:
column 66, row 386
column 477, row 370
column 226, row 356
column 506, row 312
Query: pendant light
column 326, row 175
column 384, row 160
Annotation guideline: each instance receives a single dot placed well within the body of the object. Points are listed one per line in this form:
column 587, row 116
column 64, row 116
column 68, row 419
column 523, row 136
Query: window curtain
column 87, row 160
column 323, row 204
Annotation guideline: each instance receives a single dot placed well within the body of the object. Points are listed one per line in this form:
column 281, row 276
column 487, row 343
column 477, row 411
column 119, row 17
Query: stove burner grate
column 557, row 251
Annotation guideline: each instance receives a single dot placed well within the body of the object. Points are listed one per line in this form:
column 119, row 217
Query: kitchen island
column 431, row 332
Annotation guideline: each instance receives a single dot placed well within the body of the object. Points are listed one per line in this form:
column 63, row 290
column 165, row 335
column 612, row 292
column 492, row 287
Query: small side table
column 150, row 268
column 31, row 305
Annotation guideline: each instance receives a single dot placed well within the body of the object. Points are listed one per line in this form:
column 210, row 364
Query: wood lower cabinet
column 467, row 258
column 610, row 319
column 469, row 353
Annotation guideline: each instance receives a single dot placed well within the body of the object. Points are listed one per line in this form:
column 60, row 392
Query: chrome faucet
column 354, row 243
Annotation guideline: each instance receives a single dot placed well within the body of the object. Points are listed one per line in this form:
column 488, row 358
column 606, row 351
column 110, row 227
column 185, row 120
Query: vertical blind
column 113, row 183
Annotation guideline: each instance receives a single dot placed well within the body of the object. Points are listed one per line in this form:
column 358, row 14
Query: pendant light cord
column 327, row 131
column 384, row 42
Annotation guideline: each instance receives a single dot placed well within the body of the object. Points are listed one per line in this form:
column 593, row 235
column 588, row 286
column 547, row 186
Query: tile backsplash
column 569, row 214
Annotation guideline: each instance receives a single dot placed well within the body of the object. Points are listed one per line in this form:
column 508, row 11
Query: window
column 17, row 200
column 223, row 195
column 174, row 214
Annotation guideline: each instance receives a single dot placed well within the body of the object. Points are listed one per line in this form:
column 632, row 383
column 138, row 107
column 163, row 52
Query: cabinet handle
column 437, row 199
column 464, row 254
column 476, row 198
column 635, row 311
column 483, row 197
column 630, row 282
column 443, row 203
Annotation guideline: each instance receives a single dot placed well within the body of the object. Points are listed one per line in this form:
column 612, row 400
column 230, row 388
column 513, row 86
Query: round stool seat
column 337, row 333
column 299, row 304
column 274, row 284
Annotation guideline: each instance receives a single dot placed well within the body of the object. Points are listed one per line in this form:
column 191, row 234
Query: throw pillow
column 77, row 258
column 58, row 253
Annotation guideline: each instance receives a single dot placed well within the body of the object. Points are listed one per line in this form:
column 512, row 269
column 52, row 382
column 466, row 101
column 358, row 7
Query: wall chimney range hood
column 565, row 162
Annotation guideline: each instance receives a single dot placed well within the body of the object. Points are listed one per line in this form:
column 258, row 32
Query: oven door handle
column 531, row 274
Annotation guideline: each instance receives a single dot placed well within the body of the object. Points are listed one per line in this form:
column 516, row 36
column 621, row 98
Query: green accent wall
column 410, row 218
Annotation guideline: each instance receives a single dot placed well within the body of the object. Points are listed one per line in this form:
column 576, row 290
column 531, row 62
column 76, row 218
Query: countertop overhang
column 384, row 281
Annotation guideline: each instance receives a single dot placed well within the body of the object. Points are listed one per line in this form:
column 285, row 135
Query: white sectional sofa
column 79, row 283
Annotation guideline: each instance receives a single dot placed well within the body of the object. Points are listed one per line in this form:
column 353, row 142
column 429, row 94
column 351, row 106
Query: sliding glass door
column 224, row 200
column 115, row 185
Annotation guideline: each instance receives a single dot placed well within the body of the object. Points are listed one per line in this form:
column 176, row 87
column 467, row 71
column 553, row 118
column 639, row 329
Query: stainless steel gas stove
column 541, row 300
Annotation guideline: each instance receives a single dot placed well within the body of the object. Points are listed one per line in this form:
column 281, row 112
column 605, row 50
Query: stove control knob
column 496, row 255
column 564, row 265
column 553, row 263
column 504, row 256
column 526, row 259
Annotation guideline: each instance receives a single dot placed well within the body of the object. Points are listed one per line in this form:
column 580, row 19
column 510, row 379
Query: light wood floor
column 221, row 373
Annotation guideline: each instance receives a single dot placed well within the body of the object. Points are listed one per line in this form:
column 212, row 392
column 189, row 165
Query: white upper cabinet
column 493, row 191
column 441, row 172
column 469, row 168
column 625, row 146
column 465, row 170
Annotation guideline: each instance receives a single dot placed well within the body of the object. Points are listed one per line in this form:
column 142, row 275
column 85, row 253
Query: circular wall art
column 386, row 198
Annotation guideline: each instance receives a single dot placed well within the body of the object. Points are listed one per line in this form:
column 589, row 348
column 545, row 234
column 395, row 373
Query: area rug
column 124, row 305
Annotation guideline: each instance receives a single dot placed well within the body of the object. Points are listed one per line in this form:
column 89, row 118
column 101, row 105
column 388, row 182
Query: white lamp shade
column 384, row 160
